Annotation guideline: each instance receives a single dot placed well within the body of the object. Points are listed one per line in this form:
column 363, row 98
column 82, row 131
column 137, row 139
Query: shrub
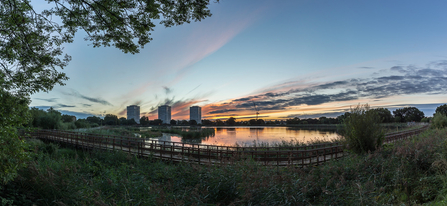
column 362, row 131
column 439, row 120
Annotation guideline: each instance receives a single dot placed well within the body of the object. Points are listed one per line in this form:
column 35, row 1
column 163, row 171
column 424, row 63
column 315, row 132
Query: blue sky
column 290, row 57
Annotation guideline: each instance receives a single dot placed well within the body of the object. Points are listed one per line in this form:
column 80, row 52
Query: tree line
column 53, row 119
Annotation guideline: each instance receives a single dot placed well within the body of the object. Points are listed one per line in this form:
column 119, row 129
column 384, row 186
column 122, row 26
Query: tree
column 13, row 113
column 439, row 120
column 252, row 121
column 173, row 122
column 322, row 120
column 131, row 122
column 219, row 122
column 82, row 123
column 111, row 119
column 123, row 121
column 184, row 122
column 384, row 113
column 158, row 121
column 67, row 118
column 295, row 120
column 207, row 122
column 144, row 120
column 31, row 45
column 192, row 122
column 442, row 109
column 409, row 114
column 362, row 131
column 31, row 42
column 94, row 119
column 231, row 121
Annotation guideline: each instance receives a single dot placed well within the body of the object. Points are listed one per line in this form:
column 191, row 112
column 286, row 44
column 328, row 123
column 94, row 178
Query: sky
column 290, row 58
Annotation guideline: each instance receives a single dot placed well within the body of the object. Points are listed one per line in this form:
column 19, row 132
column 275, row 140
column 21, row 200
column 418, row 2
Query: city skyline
column 292, row 58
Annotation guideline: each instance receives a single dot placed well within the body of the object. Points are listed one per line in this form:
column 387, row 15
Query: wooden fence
column 208, row 154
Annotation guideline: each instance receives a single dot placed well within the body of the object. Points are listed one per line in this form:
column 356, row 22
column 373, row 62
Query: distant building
column 164, row 113
column 195, row 113
column 133, row 112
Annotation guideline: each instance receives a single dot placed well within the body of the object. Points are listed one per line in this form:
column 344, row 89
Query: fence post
column 198, row 146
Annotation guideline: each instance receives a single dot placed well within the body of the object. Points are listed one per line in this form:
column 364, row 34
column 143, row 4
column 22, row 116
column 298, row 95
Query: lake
column 248, row 135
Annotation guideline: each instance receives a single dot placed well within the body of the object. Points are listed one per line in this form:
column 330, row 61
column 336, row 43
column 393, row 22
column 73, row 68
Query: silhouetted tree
column 173, row 122
column 231, row 121
column 67, row 118
column 144, row 120
column 192, row 122
column 219, row 122
column 295, row 120
column 157, row 122
column 207, row 122
column 94, row 119
column 442, row 109
column 384, row 114
column 111, row 119
column 409, row 114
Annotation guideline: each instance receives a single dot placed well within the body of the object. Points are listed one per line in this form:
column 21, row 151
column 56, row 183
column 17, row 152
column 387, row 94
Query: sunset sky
column 292, row 58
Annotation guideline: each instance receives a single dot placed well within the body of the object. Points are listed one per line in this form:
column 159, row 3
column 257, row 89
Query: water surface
column 247, row 136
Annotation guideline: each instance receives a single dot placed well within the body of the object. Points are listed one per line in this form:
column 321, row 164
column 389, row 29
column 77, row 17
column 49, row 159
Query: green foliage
column 408, row 114
column 158, row 122
column 67, row 118
column 31, row 51
column 384, row 114
column 362, row 131
column 439, row 121
column 442, row 109
column 13, row 113
column 94, row 120
column 144, row 120
column 111, row 119
column 82, row 123
column 411, row 172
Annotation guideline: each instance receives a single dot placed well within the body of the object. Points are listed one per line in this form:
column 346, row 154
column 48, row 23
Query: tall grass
column 409, row 172
column 362, row 131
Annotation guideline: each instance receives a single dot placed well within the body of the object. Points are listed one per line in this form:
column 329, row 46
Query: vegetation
column 362, row 131
column 13, row 113
column 409, row 172
column 439, row 121
column 441, row 109
column 408, row 114
column 125, row 131
column 31, row 49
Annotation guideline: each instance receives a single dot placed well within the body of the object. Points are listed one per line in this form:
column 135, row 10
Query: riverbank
column 408, row 172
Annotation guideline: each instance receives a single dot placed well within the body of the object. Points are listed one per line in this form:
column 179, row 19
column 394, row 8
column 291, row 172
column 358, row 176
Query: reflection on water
column 250, row 135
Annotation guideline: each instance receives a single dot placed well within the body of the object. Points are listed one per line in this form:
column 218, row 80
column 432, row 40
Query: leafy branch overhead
column 31, row 42
column 31, row 50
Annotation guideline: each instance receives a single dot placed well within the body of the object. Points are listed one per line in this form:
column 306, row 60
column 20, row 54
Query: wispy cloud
column 91, row 99
column 395, row 81
column 63, row 105
column 48, row 100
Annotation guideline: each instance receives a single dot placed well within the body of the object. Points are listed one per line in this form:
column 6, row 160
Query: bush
column 362, row 131
column 439, row 121
column 67, row 125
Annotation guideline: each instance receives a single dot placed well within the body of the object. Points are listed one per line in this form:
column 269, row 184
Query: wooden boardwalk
column 208, row 154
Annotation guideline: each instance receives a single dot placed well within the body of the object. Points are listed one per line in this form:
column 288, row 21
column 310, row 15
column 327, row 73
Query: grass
column 409, row 172
column 125, row 131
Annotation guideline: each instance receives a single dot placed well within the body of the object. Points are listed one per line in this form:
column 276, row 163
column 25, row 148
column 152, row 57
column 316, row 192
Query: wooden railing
column 208, row 154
